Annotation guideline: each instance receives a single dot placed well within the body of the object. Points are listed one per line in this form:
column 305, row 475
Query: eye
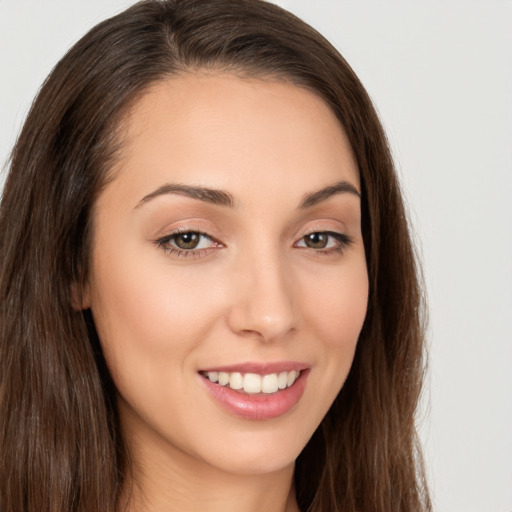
column 189, row 240
column 187, row 243
column 325, row 241
column 316, row 240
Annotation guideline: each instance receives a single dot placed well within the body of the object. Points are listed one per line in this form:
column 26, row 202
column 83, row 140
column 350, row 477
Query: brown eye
column 325, row 242
column 316, row 240
column 188, row 244
column 189, row 240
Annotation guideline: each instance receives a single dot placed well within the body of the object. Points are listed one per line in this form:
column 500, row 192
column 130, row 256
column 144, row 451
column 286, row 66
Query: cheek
column 336, row 314
column 337, row 306
column 149, row 314
column 148, row 324
column 335, row 309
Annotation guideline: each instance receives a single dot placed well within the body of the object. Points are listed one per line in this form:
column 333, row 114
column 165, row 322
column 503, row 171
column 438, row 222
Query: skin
column 254, row 291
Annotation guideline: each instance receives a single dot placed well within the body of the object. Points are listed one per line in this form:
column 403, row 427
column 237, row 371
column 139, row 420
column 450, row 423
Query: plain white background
column 440, row 73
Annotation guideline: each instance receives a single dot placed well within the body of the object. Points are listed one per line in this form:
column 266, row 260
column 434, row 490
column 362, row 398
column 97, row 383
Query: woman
column 209, row 295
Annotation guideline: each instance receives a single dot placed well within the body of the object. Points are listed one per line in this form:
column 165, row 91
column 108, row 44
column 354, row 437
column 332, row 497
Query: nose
column 263, row 304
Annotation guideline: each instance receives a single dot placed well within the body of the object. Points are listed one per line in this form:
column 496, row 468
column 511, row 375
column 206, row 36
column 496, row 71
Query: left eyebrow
column 342, row 187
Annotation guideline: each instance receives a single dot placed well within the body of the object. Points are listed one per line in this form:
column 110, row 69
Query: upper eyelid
column 333, row 231
column 175, row 233
column 342, row 237
column 317, row 229
column 206, row 232
column 170, row 232
column 211, row 227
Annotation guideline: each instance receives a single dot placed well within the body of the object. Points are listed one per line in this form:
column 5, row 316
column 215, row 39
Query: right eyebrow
column 208, row 195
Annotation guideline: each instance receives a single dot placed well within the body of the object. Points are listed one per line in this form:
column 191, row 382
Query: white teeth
column 292, row 376
column 236, row 381
column 223, row 378
column 282, row 380
column 269, row 383
column 253, row 383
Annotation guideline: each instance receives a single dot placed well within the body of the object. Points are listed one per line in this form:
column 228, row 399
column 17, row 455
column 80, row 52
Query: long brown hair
column 60, row 443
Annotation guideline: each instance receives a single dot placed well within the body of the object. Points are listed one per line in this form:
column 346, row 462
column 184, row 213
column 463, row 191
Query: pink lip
column 258, row 406
column 260, row 368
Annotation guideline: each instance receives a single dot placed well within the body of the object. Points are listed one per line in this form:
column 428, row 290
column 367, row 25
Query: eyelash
column 164, row 244
column 343, row 241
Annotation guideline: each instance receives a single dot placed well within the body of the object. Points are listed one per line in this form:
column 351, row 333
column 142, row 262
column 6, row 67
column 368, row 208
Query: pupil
column 187, row 240
column 316, row 240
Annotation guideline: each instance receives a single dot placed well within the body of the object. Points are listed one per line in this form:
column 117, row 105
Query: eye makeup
column 325, row 242
column 188, row 243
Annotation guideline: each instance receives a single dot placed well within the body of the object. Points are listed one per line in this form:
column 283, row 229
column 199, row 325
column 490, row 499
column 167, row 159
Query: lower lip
column 259, row 406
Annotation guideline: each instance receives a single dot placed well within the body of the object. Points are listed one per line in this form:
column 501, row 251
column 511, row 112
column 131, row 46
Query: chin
column 265, row 448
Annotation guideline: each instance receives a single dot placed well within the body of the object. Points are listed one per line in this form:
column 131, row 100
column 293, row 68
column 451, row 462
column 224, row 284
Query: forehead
column 220, row 130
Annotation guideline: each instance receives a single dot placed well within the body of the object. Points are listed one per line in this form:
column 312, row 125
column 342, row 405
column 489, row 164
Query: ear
column 80, row 296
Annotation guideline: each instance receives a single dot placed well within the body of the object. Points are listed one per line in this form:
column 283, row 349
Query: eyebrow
column 208, row 195
column 223, row 198
column 325, row 193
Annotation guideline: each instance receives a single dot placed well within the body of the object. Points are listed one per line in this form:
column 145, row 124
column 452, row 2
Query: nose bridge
column 264, row 298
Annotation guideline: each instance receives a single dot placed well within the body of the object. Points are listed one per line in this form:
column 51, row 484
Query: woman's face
column 228, row 281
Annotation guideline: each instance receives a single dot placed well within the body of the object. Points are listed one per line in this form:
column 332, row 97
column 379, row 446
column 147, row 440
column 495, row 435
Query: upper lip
column 259, row 368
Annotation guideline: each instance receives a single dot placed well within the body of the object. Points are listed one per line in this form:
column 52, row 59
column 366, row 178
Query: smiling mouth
column 253, row 383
